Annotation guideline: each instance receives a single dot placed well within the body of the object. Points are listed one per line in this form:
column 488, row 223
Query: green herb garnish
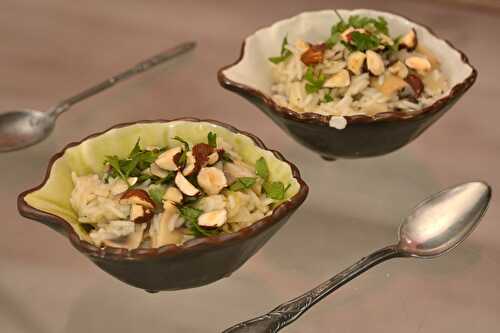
column 242, row 183
column 363, row 42
column 285, row 53
column 275, row 190
column 212, row 139
column 328, row 97
column 261, row 168
column 156, row 192
column 314, row 83
column 184, row 142
column 226, row 157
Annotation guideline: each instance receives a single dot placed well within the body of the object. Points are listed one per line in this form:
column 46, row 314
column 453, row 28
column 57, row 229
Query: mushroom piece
column 355, row 62
column 375, row 63
column 213, row 219
column 409, row 41
column 155, row 170
column 420, row 64
column 161, row 231
column 339, row 80
column 399, row 69
column 137, row 196
column 392, row 84
column 416, row 84
column 140, row 214
column 212, row 180
column 173, row 194
column 184, row 185
column 130, row 241
column 166, row 160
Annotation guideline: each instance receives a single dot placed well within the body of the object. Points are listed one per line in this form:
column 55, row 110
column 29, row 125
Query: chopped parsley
column 212, row 139
column 132, row 166
column 314, row 83
column 261, row 168
column 285, row 53
column 242, row 183
column 363, row 42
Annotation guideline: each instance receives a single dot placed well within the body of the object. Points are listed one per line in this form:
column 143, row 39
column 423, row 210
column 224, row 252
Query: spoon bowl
column 444, row 220
column 23, row 128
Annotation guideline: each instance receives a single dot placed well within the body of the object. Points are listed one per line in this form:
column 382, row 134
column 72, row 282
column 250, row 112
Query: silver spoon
column 437, row 225
column 22, row 128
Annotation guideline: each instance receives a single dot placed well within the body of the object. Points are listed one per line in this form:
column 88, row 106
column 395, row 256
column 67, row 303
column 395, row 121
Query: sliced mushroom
column 190, row 164
column 416, row 84
column 140, row 214
column 161, row 231
column 420, row 64
column 346, row 35
column 212, row 180
column 391, row 85
column 399, row 69
column 118, row 187
column 339, row 80
column 129, row 242
column 213, row 219
column 155, row 170
column 375, row 63
column 137, row 196
column 355, row 62
column 173, row 194
column 166, row 160
column 409, row 41
column 184, row 185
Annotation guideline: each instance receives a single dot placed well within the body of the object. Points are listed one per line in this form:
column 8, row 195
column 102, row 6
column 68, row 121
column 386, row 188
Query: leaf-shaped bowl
column 195, row 263
column 364, row 136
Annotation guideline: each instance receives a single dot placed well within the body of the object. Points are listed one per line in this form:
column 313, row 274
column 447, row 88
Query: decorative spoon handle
column 139, row 68
column 290, row 311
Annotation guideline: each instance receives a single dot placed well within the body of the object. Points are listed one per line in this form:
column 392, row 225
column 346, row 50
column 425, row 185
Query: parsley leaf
column 328, row 97
column 114, row 163
column 275, row 190
column 285, row 53
column 156, row 192
column 242, row 183
column 226, row 157
column 181, row 140
column 363, row 42
column 261, row 168
column 314, row 84
column 212, row 139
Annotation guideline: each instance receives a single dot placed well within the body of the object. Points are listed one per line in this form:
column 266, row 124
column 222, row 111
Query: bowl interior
column 88, row 157
column 254, row 70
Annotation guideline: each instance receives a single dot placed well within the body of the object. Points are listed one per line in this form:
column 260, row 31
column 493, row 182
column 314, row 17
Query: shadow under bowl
column 195, row 263
column 364, row 136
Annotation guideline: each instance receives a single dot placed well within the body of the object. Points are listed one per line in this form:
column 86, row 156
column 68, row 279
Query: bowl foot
column 152, row 291
column 328, row 158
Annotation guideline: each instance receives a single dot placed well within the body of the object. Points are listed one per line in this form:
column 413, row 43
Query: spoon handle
column 290, row 311
column 137, row 69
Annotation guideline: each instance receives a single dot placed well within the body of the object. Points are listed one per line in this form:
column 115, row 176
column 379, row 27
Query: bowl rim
column 315, row 118
column 197, row 244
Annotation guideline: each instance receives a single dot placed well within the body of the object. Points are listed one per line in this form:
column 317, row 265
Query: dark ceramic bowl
column 364, row 136
column 195, row 263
